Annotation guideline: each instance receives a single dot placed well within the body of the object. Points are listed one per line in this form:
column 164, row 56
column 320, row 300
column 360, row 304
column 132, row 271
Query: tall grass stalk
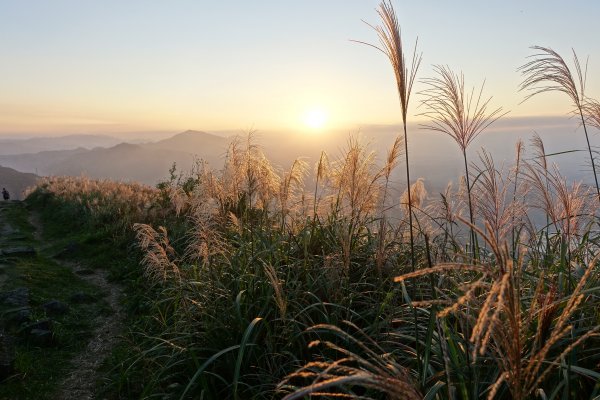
column 541, row 161
column 391, row 45
column 390, row 40
column 390, row 164
column 517, row 170
column 460, row 114
column 549, row 72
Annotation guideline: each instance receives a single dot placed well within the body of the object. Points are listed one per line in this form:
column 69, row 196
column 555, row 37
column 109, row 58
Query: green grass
column 40, row 368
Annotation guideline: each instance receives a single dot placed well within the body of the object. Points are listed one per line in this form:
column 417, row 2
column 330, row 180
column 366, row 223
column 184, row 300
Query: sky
column 120, row 67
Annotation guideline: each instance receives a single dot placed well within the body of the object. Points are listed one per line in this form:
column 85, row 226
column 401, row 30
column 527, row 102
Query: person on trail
column 5, row 194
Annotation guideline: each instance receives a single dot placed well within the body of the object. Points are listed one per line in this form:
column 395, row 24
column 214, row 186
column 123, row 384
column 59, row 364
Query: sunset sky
column 133, row 66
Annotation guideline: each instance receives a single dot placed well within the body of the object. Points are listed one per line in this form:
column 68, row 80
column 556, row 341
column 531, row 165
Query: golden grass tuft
column 547, row 71
column 375, row 370
column 159, row 261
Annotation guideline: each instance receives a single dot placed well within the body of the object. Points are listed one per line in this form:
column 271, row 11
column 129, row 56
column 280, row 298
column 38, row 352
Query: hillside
column 122, row 162
column 16, row 182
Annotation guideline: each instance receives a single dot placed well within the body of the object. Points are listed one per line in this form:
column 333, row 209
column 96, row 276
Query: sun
column 315, row 118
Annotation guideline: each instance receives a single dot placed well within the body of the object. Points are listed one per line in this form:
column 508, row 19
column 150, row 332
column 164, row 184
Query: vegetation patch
column 43, row 322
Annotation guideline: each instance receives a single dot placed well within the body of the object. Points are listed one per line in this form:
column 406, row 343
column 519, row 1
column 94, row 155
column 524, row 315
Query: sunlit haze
column 119, row 67
column 315, row 118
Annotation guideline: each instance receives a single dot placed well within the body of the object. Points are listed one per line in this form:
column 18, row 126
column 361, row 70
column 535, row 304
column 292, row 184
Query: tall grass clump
column 102, row 202
column 524, row 328
column 260, row 262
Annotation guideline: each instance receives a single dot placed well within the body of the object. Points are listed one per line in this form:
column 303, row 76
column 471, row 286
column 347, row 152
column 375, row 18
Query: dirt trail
column 80, row 382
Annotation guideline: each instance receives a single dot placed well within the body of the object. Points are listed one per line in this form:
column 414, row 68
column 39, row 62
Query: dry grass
column 159, row 260
column 453, row 110
column 375, row 370
column 390, row 44
column 462, row 115
column 568, row 206
column 125, row 200
column 520, row 324
column 496, row 206
column 592, row 111
column 549, row 72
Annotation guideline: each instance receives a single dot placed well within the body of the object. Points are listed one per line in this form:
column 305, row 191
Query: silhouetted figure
column 5, row 194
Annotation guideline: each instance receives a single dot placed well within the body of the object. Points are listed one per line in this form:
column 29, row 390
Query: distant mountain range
column 434, row 156
column 35, row 145
column 145, row 163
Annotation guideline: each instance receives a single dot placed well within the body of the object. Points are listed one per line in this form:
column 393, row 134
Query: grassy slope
column 40, row 369
column 100, row 245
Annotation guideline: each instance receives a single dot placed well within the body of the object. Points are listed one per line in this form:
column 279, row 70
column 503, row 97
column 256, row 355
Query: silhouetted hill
column 16, row 182
column 122, row 162
column 195, row 142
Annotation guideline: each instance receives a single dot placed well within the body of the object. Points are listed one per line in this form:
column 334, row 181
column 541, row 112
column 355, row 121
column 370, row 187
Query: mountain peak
column 192, row 133
column 191, row 141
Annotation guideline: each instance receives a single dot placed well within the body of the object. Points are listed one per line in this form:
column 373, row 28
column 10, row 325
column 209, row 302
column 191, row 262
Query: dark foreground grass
column 79, row 236
column 40, row 367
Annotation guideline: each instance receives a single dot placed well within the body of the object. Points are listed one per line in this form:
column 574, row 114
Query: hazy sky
column 116, row 66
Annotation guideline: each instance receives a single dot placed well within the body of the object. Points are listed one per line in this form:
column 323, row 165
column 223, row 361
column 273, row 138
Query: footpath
column 59, row 320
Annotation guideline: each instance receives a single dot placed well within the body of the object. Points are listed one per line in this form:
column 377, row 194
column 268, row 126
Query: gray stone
column 55, row 307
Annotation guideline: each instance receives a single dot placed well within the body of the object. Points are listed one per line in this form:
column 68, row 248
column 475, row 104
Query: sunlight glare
column 315, row 118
